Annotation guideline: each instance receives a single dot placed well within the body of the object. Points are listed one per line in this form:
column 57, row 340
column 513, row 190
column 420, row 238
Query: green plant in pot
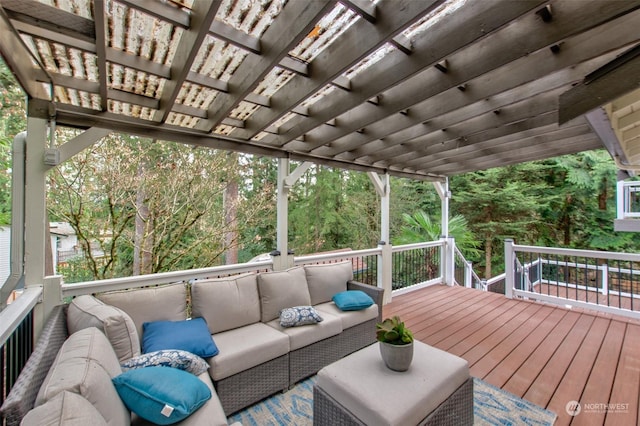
column 396, row 343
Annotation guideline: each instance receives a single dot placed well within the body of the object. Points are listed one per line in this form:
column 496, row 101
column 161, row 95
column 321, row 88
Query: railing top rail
column 76, row 289
column 13, row 314
column 632, row 257
column 496, row 279
column 300, row 260
column 405, row 247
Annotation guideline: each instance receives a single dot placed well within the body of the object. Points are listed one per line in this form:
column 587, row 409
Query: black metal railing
column 14, row 354
column 415, row 266
column 610, row 280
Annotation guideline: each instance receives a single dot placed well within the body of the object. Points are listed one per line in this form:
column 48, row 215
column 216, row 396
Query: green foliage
column 393, row 331
column 420, row 228
column 500, row 203
column 332, row 209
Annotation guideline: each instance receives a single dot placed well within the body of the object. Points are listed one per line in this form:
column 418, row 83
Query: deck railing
column 16, row 337
column 364, row 262
column 413, row 266
column 603, row 281
column 464, row 273
column 416, row 265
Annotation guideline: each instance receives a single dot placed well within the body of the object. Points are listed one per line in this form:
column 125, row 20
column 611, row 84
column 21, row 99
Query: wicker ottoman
column 360, row 390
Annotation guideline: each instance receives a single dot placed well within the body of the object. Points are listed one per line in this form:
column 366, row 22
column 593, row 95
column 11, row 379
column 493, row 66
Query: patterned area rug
column 491, row 406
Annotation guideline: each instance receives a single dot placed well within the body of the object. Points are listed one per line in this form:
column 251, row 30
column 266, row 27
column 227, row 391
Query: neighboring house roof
column 63, row 229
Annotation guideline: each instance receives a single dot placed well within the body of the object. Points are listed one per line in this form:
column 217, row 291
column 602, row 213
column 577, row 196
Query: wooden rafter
column 413, row 88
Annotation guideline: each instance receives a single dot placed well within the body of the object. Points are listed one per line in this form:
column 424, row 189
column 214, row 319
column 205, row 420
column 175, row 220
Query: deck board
column 548, row 355
column 627, row 381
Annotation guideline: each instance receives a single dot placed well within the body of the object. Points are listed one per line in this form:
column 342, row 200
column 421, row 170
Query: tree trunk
column 487, row 257
column 141, row 240
column 231, row 221
column 602, row 196
column 231, row 212
column 565, row 221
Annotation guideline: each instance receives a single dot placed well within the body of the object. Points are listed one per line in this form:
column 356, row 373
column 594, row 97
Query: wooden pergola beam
column 443, row 39
column 618, row 77
column 356, row 43
column 297, row 20
column 488, row 69
column 204, row 13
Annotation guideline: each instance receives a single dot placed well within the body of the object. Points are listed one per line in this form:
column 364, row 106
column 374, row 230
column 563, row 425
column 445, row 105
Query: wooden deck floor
column 544, row 354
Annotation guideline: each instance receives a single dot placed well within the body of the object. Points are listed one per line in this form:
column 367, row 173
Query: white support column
column 448, row 260
column 509, row 263
column 620, row 199
column 385, row 265
column 35, row 218
column 286, row 180
column 282, row 212
column 442, row 188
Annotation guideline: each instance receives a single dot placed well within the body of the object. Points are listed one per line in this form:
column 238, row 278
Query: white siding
column 5, row 246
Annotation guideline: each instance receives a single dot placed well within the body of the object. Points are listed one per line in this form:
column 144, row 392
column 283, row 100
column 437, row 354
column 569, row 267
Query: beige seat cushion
column 348, row 318
column 326, row 280
column 246, row 347
column 377, row 395
column 282, row 289
column 85, row 365
column 163, row 303
column 87, row 311
column 66, row 408
column 226, row 303
column 210, row 414
column 305, row 335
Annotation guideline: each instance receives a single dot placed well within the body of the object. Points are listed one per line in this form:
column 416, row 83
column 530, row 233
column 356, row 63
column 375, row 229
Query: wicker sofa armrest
column 23, row 394
column 374, row 292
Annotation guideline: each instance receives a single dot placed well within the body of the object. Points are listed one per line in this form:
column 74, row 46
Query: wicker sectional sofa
column 257, row 356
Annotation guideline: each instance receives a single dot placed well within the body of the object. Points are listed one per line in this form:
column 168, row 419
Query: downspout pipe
column 16, row 256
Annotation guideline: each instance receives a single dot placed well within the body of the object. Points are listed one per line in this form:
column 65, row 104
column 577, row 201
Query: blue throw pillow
column 174, row 358
column 188, row 335
column 299, row 315
column 352, row 300
column 161, row 395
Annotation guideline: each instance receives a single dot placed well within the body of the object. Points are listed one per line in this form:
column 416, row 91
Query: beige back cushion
column 66, row 408
column 87, row 311
column 326, row 280
column 85, row 365
column 226, row 303
column 164, row 303
column 282, row 289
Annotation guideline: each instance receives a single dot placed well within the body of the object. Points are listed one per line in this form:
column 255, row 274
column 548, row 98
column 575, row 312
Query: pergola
column 422, row 89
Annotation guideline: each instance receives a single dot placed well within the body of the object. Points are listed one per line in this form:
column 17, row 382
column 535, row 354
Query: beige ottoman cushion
column 377, row 395
column 246, row 347
column 326, row 280
column 66, row 408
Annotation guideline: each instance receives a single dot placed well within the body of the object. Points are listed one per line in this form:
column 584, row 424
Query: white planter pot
column 397, row 357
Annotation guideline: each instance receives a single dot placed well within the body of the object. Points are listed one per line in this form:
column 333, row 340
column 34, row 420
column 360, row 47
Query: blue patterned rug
column 491, row 406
